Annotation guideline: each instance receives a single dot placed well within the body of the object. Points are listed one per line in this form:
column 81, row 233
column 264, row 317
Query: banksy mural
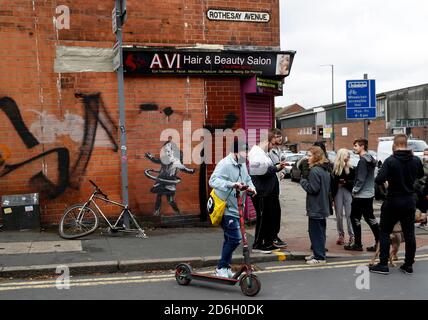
column 166, row 177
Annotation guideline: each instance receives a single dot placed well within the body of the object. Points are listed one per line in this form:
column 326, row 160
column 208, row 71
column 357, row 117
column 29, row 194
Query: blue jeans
column 232, row 238
column 317, row 234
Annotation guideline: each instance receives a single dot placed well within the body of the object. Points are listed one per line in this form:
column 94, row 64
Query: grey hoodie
column 364, row 177
column 317, row 187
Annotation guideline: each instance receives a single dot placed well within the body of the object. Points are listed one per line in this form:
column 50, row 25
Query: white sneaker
column 230, row 273
column 307, row 258
column 222, row 273
column 314, row 262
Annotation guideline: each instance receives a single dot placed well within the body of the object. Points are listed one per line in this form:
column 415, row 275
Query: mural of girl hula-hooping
column 166, row 179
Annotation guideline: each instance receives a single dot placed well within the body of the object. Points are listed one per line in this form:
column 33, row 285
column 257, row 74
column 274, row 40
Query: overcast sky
column 387, row 39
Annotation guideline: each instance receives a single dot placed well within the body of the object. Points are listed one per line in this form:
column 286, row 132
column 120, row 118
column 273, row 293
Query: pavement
column 32, row 253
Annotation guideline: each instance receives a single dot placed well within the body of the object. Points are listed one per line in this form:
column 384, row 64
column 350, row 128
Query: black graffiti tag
column 95, row 112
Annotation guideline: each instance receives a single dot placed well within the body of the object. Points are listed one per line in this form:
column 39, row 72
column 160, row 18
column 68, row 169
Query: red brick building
column 398, row 111
column 59, row 95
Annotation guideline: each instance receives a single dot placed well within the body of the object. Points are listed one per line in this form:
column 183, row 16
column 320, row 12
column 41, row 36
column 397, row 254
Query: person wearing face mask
column 422, row 189
column 229, row 176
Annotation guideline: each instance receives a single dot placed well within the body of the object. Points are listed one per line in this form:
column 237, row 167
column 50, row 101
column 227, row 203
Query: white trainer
column 230, row 273
column 307, row 258
column 222, row 273
column 315, row 262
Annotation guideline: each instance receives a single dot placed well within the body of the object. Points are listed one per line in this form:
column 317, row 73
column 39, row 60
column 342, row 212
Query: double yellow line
column 339, row 264
column 50, row 284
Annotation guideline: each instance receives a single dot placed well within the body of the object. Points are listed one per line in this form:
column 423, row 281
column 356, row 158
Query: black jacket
column 267, row 184
column 401, row 171
column 349, row 181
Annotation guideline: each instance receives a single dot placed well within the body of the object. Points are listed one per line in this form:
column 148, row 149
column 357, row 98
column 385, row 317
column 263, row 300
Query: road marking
column 45, row 282
column 86, row 284
column 328, row 266
column 281, row 255
column 361, row 261
column 49, row 284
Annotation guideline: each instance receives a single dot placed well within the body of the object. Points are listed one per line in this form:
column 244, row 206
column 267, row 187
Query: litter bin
column 21, row 211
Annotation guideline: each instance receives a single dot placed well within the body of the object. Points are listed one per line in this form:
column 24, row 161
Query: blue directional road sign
column 360, row 99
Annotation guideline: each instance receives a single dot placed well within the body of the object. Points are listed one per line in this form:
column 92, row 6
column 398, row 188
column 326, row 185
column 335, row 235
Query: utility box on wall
column 20, row 211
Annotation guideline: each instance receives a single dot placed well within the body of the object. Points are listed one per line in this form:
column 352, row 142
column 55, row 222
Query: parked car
column 290, row 159
column 331, row 155
column 384, row 148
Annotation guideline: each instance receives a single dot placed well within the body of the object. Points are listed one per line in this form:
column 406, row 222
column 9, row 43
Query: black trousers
column 267, row 208
column 363, row 207
column 276, row 216
column 393, row 210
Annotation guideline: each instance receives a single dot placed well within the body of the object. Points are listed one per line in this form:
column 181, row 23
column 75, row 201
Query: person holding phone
column 230, row 176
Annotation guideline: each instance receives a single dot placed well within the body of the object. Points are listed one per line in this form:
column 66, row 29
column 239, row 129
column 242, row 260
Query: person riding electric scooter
column 230, row 174
column 249, row 283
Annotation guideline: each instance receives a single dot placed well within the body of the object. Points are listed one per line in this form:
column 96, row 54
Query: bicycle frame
column 114, row 226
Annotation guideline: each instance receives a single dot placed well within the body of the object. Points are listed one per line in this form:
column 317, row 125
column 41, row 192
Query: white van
column 384, row 148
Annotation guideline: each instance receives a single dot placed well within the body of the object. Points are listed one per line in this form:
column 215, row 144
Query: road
column 286, row 280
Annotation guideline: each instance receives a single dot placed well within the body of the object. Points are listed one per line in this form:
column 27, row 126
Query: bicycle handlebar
column 98, row 189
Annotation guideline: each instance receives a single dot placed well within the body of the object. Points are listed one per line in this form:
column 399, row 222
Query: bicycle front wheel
column 77, row 221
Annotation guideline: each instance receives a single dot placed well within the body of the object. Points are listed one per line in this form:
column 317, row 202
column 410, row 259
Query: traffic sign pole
column 366, row 122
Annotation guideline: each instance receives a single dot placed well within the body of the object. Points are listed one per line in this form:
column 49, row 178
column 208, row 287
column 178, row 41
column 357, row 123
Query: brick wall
column 223, row 102
column 60, row 130
column 354, row 130
column 420, row 133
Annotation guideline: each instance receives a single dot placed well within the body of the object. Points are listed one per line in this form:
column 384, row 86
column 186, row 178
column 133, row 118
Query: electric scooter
column 249, row 283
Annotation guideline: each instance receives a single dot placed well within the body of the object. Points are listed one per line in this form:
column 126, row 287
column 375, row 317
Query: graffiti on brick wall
column 166, row 177
column 167, row 111
column 230, row 120
column 69, row 175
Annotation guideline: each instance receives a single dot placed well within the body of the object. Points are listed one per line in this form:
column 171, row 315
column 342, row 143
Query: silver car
column 290, row 159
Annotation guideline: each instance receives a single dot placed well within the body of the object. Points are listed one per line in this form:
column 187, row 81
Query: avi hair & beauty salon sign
column 202, row 63
column 237, row 16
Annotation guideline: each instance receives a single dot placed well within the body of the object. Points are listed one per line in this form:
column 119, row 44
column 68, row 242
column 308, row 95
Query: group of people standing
column 262, row 178
column 330, row 187
column 351, row 191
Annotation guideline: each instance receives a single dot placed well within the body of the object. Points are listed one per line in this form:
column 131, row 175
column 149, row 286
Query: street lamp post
column 332, row 101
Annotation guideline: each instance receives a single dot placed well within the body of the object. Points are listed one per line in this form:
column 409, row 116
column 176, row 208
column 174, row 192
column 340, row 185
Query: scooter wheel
column 182, row 274
column 250, row 285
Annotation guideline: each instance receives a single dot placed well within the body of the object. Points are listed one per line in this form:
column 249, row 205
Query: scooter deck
column 208, row 278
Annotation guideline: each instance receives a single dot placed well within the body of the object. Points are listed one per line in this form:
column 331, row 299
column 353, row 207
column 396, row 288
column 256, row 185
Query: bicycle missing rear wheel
column 81, row 220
